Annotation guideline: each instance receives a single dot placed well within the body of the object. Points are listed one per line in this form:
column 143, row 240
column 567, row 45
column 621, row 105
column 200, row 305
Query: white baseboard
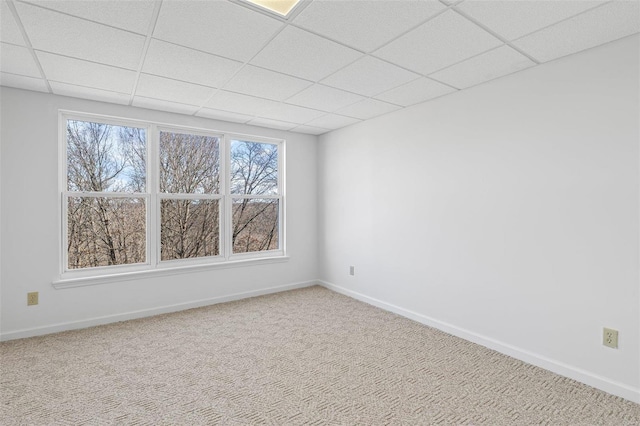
column 91, row 322
column 599, row 382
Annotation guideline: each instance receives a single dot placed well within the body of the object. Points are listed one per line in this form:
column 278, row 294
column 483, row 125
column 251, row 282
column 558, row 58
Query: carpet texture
column 302, row 357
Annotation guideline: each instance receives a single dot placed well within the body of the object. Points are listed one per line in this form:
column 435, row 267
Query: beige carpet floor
column 303, row 357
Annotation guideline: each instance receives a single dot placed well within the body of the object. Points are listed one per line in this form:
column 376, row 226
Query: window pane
column 105, row 231
column 189, row 164
column 102, row 157
column 254, row 168
column 255, row 225
column 189, row 228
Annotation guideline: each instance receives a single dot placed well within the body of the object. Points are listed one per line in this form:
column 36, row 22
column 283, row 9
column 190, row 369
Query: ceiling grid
column 327, row 65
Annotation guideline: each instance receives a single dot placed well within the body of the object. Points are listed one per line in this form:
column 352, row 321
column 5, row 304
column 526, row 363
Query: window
column 142, row 196
column 189, row 195
column 255, row 200
column 106, row 194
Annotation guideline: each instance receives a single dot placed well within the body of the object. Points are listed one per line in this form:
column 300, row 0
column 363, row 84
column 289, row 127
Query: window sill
column 161, row 272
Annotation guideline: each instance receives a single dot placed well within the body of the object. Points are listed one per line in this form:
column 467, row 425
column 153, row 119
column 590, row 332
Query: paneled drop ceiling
column 330, row 64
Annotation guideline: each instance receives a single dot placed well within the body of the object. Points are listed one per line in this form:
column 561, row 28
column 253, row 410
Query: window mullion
column 65, row 231
column 256, row 196
column 106, row 194
column 153, row 232
column 281, row 198
column 173, row 196
column 227, row 203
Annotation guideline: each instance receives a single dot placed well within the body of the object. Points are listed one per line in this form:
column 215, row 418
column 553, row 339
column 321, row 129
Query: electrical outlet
column 610, row 338
column 352, row 270
column 32, row 298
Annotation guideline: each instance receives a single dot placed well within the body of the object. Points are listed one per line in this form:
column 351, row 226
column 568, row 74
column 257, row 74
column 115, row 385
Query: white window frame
column 172, row 196
column 154, row 266
column 230, row 197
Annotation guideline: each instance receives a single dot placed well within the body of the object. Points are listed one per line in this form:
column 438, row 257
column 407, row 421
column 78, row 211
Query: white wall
column 29, row 227
column 507, row 214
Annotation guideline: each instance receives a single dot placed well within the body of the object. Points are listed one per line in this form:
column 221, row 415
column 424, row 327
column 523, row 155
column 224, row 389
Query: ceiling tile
column 242, row 104
column 151, row 86
column 124, row 14
column 22, row 82
column 351, row 22
column 9, row 29
column 65, row 89
column 446, row 39
column 309, row 130
column 265, row 84
column 369, row 76
column 290, row 113
column 88, row 74
column 513, row 19
column 218, row 27
column 417, row 91
column 487, row 66
column 305, row 55
column 324, row 98
column 595, row 27
column 367, row 108
column 332, row 121
column 58, row 33
column 161, row 105
column 180, row 63
column 272, row 124
column 223, row 115
column 18, row 60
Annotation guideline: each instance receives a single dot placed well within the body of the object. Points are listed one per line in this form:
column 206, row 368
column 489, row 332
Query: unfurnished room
column 320, row 212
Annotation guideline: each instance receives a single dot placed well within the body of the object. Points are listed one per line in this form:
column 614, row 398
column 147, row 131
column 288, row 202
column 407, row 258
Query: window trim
column 154, row 266
column 82, row 281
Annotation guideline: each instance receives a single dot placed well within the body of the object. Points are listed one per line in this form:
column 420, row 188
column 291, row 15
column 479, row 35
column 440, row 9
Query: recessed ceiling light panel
column 281, row 7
